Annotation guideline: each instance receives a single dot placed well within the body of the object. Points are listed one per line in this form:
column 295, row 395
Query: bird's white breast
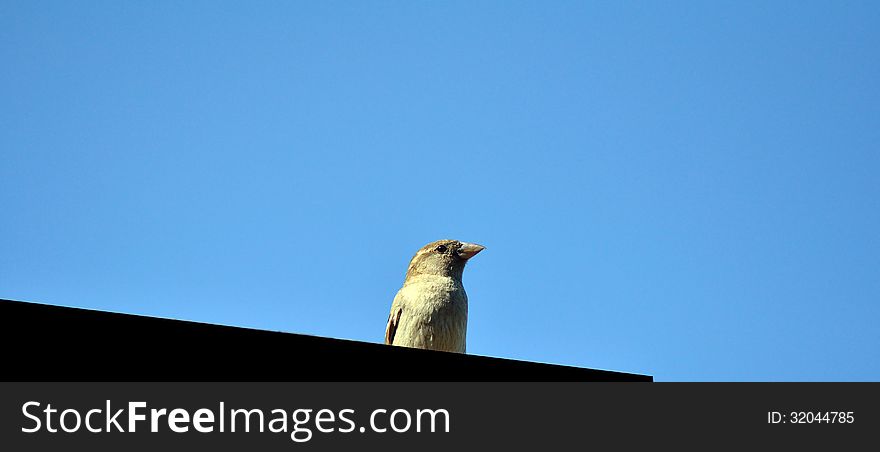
column 434, row 314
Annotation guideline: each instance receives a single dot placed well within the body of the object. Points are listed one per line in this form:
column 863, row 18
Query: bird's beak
column 469, row 250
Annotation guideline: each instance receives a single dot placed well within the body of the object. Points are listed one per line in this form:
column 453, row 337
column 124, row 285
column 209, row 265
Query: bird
column 430, row 310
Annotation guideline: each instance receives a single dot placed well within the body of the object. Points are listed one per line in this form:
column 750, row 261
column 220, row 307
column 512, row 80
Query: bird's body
column 430, row 310
column 433, row 314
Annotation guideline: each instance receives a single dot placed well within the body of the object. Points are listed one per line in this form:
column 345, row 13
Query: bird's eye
column 440, row 249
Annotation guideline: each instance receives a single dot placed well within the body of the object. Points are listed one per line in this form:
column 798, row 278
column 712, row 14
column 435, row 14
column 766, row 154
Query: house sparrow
column 430, row 310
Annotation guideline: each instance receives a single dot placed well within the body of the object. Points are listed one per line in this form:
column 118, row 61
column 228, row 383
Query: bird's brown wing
column 393, row 321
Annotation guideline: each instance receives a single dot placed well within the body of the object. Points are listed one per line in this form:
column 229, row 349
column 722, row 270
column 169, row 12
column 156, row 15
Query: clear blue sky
column 685, row 189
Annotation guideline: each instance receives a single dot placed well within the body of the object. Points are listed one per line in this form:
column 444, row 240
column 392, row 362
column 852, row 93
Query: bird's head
column 442, row 258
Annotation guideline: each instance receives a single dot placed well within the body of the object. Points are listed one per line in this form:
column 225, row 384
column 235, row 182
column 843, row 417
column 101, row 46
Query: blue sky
column 684, row 189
